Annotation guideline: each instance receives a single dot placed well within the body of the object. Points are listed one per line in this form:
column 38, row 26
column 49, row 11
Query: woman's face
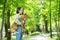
column 20, row 11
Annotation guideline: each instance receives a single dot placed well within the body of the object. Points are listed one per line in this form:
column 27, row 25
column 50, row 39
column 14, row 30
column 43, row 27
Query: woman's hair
column 18, row 8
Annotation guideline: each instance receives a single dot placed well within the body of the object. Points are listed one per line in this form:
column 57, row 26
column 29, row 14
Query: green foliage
column 34, row 8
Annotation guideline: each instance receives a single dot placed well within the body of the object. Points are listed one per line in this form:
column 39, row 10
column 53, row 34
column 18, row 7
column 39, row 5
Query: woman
column 16, row 20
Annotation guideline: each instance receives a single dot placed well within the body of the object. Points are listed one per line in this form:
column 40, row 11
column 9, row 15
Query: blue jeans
column 19, row 33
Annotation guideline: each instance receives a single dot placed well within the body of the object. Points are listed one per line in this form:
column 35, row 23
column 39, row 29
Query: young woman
column 16, row 20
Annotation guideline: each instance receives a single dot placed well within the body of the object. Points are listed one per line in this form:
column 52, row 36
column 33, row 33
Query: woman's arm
column 16, row 19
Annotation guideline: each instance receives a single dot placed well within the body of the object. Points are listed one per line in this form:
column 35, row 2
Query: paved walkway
column 40, row 37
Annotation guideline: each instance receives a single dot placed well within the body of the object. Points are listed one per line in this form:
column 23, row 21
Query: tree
column 3, row 13
column 8, row 25
column 46, row 23
column 58, row 33
column 50, row 21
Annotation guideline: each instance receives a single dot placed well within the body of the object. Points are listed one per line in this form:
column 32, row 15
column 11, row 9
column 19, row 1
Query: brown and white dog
column 22, row 19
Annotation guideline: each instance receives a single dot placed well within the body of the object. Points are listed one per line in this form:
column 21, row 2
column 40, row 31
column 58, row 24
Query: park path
column 42, row 37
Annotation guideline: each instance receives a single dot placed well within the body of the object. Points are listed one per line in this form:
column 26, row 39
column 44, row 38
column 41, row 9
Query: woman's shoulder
column 17, row 16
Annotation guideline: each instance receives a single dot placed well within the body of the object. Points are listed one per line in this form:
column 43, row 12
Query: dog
column 23, row 20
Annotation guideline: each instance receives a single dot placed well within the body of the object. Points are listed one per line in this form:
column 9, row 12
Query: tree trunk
column 3, row 14
column 50, row 21
column 38, row 28
column 0, row 34
column 56, row 24
column 58, row 33
column 8, row 25
column 6, row 29
column 46, row 24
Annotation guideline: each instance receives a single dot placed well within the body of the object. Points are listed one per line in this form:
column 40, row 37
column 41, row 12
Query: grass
column 25, row 37
column 54, row 37
column 35, row 33
column 12, row 38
